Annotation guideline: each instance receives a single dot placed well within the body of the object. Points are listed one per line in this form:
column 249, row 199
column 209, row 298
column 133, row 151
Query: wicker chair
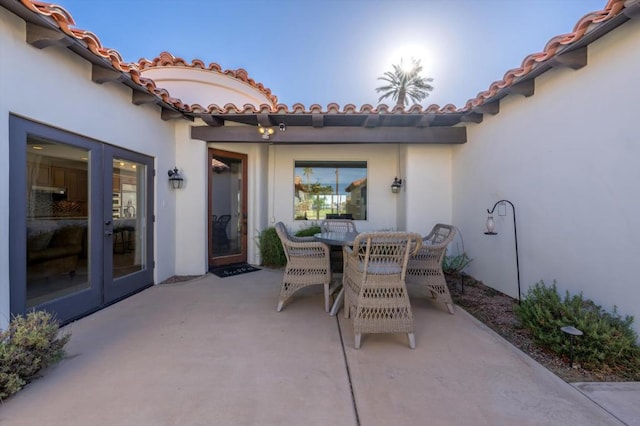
column 308, row 263
column 337, row 225
column 425, row 268
column 374, row 281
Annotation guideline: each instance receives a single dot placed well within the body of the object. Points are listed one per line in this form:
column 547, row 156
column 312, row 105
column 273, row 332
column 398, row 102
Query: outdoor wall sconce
column 175, row 179
column 490, row 224
column 396, row 185
column 265, row 132
column 282, row 127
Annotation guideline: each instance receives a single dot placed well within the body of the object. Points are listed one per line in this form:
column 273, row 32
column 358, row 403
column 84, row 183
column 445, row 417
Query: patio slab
column 215, row 351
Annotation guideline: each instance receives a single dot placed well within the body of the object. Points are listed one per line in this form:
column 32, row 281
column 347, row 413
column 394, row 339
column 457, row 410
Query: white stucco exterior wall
column 428, row 186
column 567, row 158
column 205, row 87
column 190, row 202
column 53, row 86
column 425, row 199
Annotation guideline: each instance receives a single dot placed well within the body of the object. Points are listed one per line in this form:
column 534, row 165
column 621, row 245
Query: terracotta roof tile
column 65, row 22
column 612, row 9
column 166, row 59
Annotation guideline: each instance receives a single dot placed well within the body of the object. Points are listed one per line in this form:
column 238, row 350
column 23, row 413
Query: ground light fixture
column 175, row 179
column 572, row 332
column 396, row 185
column 490, row 224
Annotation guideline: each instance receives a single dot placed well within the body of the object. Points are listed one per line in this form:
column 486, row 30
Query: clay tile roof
column 556, row 45
column 65, row 22
column 582, row 27
column 166, row 59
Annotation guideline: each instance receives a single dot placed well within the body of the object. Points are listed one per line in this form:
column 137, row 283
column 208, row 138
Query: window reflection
column 330, row 189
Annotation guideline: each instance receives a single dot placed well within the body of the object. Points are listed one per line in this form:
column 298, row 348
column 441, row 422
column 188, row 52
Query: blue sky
column 323, row 51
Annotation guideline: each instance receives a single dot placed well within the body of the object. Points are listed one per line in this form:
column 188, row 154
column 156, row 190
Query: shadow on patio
column 215, row 351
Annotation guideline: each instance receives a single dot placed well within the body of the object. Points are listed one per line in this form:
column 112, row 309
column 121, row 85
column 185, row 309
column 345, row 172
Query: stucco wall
column 205, row 87
column 428, row 186
column 567, row 158
column 427, row 197
column 54, row 87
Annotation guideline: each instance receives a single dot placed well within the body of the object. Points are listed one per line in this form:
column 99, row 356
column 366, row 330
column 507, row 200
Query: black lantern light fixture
column 175, row 179
column 396, row 185
column 490, row 224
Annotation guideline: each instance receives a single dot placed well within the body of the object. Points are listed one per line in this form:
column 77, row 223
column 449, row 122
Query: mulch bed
column 495, row 309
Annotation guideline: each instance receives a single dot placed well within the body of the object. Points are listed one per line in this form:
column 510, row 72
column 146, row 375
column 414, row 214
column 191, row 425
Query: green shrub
column 309, row 231
column 453, row 264
column 608, row 339
column 30, row 344
column 271, row 251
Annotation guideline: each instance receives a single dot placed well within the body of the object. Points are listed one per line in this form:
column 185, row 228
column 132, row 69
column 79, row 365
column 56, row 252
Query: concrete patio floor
column 214, row 351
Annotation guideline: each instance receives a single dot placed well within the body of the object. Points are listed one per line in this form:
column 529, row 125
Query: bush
column 309, row 231
column 271, row 251
column 30, row 344
column 453, row 264
column 608, row 339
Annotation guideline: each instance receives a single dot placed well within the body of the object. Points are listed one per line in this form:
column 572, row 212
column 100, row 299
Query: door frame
column 75, row 305
column 242, row 256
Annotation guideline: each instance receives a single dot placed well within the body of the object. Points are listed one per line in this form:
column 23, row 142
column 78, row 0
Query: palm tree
column 405, row 83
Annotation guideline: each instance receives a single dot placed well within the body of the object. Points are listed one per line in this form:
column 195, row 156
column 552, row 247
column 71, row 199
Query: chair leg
column 357, row 340
column 450, row 308
column 279, row 308
column 327, row 301
column 412, row 340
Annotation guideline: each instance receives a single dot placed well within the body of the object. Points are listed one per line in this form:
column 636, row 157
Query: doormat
column 231, row 270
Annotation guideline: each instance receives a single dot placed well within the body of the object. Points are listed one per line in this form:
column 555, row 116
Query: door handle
column 108, row 233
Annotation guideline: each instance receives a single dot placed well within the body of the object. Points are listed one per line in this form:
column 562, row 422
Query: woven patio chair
column 308, row 263
column 337, row 225
column 425, row 267
column 374, row 281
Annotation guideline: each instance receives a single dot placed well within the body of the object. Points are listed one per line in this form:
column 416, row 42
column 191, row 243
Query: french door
column 81, row 221
column 227, row 207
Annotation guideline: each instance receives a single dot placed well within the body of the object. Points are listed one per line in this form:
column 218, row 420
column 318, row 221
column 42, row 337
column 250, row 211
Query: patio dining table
column 337, row 239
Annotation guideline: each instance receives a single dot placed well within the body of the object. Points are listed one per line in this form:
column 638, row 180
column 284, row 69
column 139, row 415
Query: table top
column 336, row 238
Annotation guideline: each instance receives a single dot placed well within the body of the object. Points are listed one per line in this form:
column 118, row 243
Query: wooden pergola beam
column 525, row 88
column 489, row 108
column 297, row 135
column 575, row 59
column 41, row 37
column 317, row 120
column 372, row 120
column 426, row 120
column 141, row 98
column 102, row 75
column 472, row 117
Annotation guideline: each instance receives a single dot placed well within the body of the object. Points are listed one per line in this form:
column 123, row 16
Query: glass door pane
column 128, row 214
column 227, row 208
column 128, row 242
column 57, row 196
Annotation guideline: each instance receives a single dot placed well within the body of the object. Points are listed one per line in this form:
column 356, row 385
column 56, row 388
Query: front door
column 80, row 221
column 227, row 207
